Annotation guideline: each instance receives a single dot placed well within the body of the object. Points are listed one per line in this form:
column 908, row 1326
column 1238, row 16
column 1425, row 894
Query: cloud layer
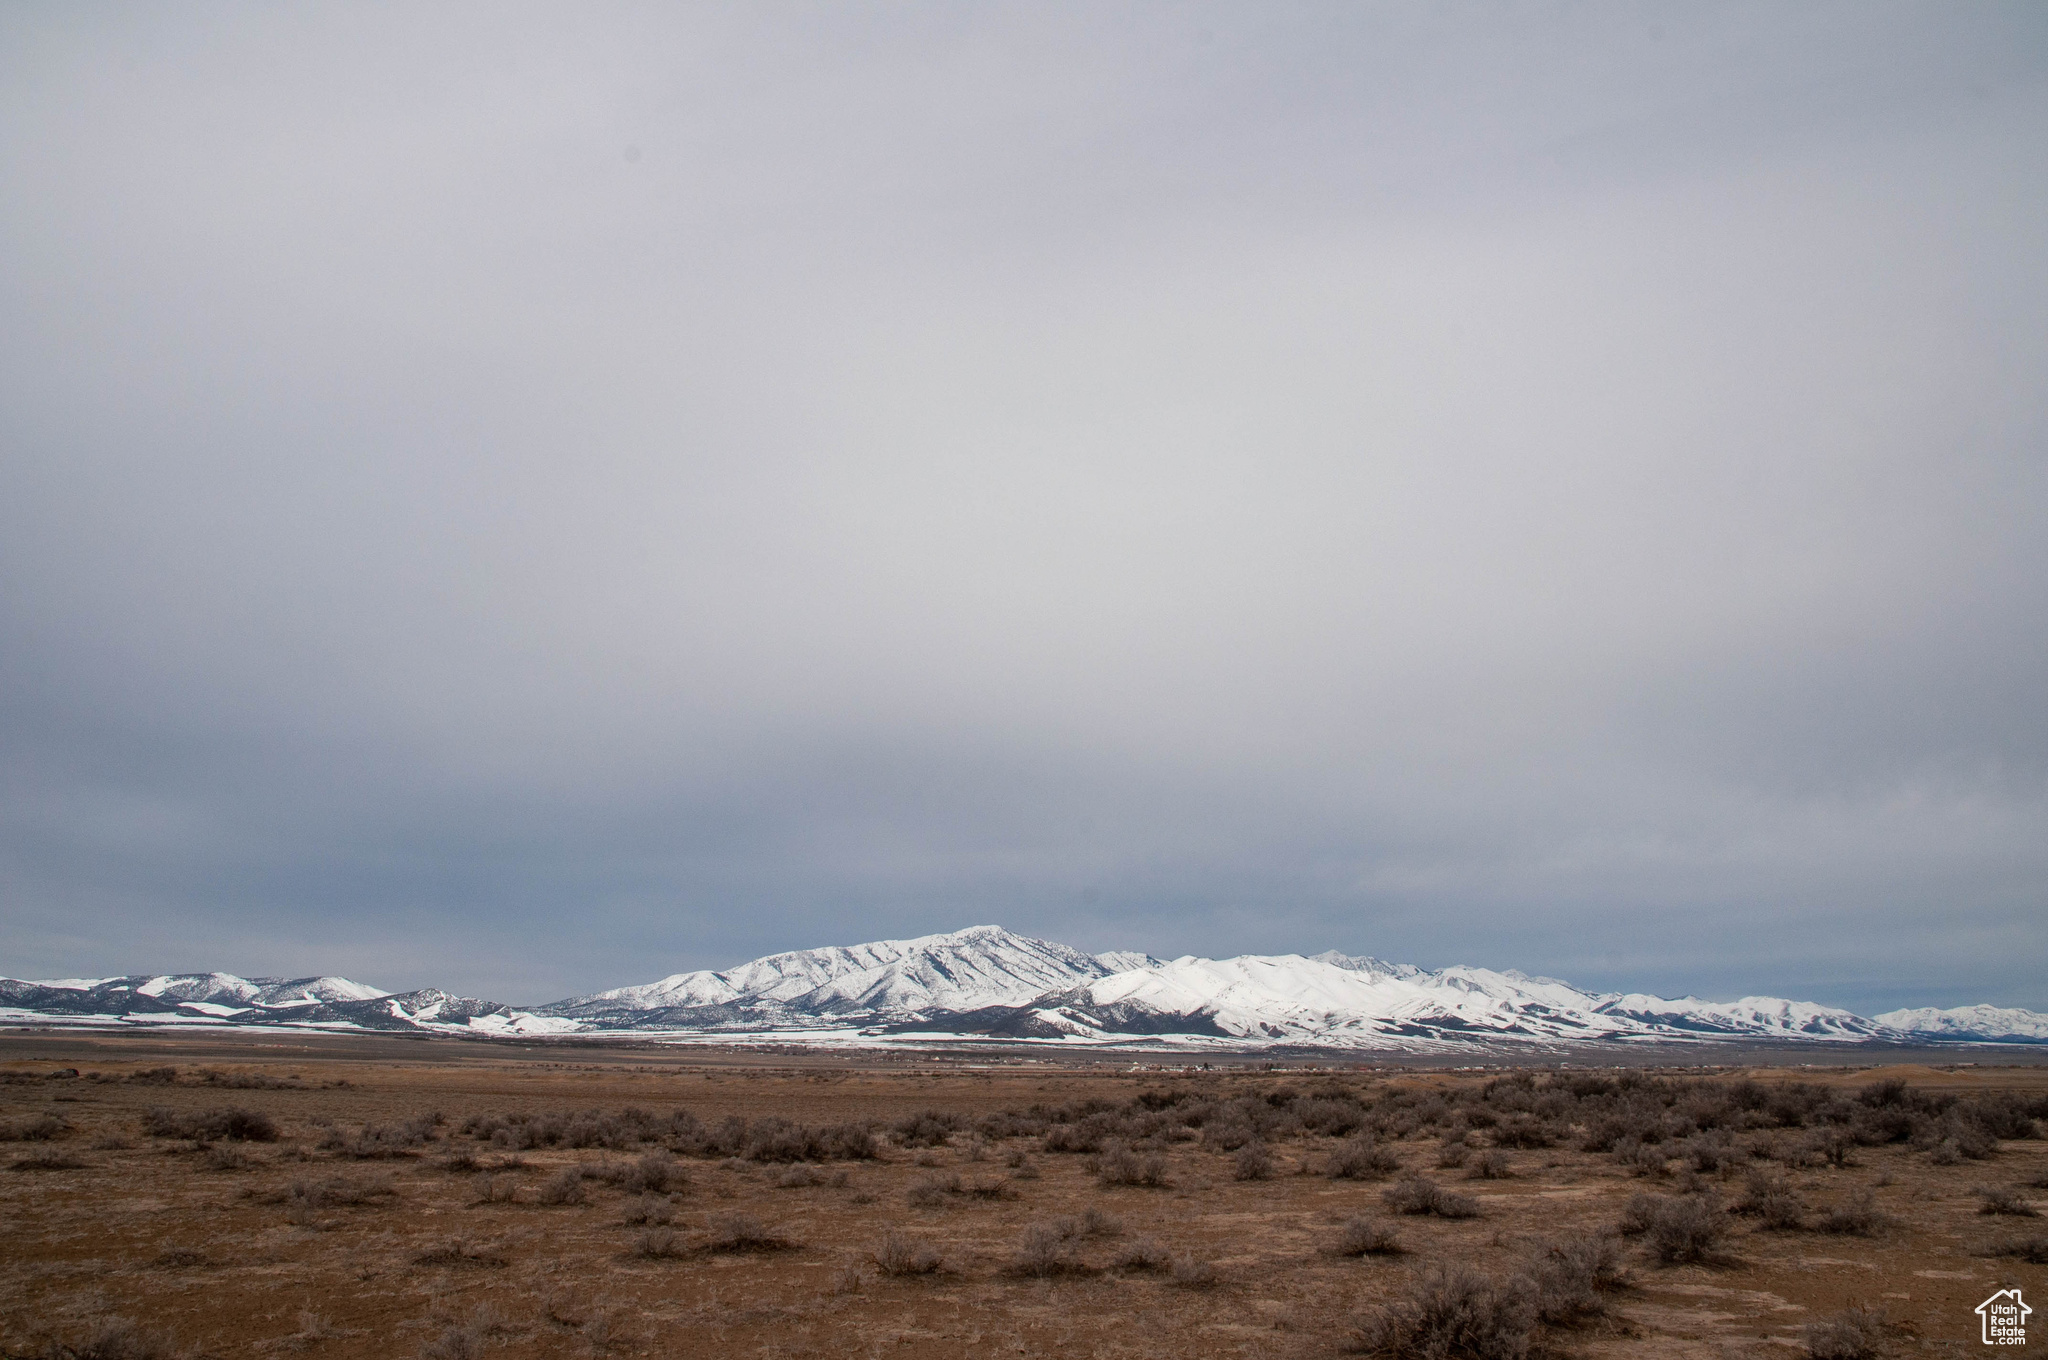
column 534, row 500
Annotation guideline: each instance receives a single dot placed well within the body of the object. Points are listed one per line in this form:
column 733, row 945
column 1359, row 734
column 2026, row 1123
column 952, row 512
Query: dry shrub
column 115, row 1338
column 1252, row 1163
column 1143, row 1253
column 1852, row 1334
column 204, row 1126
column 564, row 1187
column 1523, row 1131
column 456, row 1342
column 1642, row 1159
column 222, row 1158
column 460, row 1251
column 180, row 1258
column 1858, row 1216
column 1451, row 1312
column 459, row 1161
column 1830, row 1145
column 1361, row 1159
column 993, row 1188
column 803, row 1176
column 1192, row 1273
column 1362, row 1236
column 1570, row 1279
column 603, row 1331
column 381, row 1142
column 1121, row 1166
column 303, row 1199
column 313, row 1329
column 737, row 1232
column 658, row 1210
column 1772, row 1201
column 47, row 1159
column 495, row 1189
column 36, row 1129
column 1677, row 1230
column 1419, row 1195
column 1993, row 1200
column 662, row 1174
column 661, row 1244
column 931, row 1128
column 306, row 1199
column 2033, row 1250
column 900, row 1255
column 1452, row 1153
column 1048, row 1249
column 1490, row 1165
column 928, row 1192
column 1093, row 1223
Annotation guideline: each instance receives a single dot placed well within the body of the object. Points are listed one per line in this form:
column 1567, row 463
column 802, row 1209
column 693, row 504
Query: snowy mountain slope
column 1766, row 1016
column 1998, row 1024
column 223, row 998
column 168, row 993
column 989, row 982
column 1322, row 1000
column 1340, row 1000
column 961, row 970
column 1288, row 996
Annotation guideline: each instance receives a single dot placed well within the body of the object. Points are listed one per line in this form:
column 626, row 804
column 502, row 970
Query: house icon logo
column 2005, row 1318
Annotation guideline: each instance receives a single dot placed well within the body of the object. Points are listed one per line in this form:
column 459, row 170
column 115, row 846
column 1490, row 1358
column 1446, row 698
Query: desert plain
column 205, row 1195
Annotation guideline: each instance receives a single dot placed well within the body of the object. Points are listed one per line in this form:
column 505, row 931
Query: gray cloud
column 531, row 500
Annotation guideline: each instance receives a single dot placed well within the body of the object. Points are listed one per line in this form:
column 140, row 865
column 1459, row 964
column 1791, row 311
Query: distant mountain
column 223, row 998
column 1751, row 1016
column 1340, row 1000
column 1992, row 1023
column 979, row 966
column 991, row 984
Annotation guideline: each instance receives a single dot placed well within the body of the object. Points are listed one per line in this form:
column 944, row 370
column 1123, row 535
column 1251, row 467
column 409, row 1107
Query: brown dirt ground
column 97, row 1241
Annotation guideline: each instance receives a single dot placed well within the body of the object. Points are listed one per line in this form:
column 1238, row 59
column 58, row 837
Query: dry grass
column 681, row 1163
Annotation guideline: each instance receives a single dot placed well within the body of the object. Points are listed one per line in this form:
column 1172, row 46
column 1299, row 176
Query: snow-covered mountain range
column 986, row 983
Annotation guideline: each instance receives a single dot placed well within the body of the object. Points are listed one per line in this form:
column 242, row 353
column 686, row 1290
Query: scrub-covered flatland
column 450, row 1200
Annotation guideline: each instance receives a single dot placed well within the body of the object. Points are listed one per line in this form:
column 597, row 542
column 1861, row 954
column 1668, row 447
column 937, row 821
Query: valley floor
column 391, row 1199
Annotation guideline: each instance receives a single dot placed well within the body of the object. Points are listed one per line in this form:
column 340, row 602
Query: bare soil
column 327, row 1242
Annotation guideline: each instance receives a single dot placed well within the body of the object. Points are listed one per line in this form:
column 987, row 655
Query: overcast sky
column 532, row 499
